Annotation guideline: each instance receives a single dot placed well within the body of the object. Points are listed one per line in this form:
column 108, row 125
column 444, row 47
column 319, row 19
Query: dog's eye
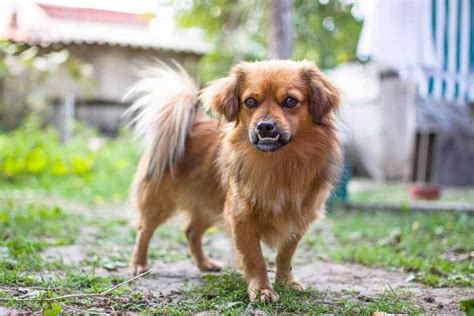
column 251, row 103
column 290, row 102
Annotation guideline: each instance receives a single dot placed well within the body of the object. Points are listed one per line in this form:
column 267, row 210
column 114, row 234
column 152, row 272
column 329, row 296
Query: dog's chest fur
column 285, row 194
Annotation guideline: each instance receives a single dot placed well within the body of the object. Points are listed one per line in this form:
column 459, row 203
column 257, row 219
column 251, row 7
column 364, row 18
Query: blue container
column 340, row 193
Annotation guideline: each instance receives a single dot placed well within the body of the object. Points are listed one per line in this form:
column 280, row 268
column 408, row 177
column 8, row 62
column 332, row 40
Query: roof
column 93, row 15
column 46, row 24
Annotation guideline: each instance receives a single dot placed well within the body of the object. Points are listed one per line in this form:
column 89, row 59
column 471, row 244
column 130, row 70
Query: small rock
column 364, row 298
column 23, row 291
column 429, row 299
column 411, row 277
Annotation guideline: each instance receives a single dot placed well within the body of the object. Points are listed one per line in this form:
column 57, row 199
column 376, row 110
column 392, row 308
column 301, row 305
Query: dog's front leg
column 247, row 240
column 284, row 275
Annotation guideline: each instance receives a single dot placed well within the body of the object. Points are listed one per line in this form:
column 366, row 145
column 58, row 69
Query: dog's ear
column 323, row 95
column 222, row 97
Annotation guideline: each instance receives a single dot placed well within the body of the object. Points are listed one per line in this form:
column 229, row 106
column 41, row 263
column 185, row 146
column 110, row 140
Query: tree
column 28, row 74
column 280, row 39
column 325, row 31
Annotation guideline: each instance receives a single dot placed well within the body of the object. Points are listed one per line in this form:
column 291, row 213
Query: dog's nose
column 267, row 128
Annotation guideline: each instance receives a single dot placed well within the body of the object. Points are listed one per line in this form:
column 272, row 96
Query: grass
column 424, row 244
column 24, row 234
column 27, row 230
column 226, row 294
column 436, row 248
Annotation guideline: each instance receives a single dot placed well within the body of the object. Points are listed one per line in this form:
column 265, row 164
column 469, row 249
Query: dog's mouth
column 268, row 139
column 269, row 144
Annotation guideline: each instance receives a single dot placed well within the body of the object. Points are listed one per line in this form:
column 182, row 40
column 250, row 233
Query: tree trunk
column 280, row 40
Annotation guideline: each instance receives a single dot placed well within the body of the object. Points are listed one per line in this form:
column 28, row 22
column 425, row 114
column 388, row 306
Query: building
column 419, row 123
column 114, row 43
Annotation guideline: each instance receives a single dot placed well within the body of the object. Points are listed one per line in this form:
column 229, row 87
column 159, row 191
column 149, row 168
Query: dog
column 266, row 162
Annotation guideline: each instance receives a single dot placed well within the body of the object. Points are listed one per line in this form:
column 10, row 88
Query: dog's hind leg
column 146, row 228
column 150, row 217
column 194, row 232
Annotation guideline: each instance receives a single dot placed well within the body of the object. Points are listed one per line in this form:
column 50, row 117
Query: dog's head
column 273, row 100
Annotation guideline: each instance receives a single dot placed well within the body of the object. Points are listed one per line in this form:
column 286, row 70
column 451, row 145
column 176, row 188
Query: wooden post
column 280, row 39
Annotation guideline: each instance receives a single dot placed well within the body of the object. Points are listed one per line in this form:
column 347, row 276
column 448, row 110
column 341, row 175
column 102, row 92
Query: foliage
column 324, row 31
column 29, row 77
column 90, row 167
column 235, row 29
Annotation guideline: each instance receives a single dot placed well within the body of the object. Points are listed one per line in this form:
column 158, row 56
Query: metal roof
column 45, row 25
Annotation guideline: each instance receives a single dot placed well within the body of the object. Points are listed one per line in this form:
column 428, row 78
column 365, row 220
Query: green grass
column 26, row 230
column 437, row 248
column 119, row 236
column 226, row 293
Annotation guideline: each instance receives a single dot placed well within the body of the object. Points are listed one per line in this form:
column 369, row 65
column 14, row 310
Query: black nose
column 267, row 128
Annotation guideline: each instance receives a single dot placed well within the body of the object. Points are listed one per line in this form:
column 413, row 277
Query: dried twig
column 81, row 295
column 75, row 309
column 113, row 309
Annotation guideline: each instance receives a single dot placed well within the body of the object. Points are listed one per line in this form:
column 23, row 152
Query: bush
column 88, row 167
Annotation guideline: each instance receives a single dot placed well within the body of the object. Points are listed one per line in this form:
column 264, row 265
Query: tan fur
column 265, row 196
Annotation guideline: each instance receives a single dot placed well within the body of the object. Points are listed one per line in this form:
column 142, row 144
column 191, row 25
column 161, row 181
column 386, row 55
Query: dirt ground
column 166, row 280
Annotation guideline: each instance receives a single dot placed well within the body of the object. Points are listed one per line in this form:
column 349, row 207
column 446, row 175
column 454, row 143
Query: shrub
column 89, row 166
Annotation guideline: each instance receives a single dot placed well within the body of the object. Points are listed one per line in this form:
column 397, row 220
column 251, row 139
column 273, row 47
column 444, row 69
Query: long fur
column 218, row 169
column 162, row 114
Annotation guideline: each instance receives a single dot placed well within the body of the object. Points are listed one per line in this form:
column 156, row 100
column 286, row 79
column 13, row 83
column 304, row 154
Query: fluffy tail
column 162, row 114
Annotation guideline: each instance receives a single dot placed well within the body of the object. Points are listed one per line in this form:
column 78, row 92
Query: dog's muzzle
column 267, row 137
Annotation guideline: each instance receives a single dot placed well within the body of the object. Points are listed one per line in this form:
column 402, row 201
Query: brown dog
column 270, row 168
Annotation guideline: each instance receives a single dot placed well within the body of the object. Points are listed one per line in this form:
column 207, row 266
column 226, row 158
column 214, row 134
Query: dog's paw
column 210, row 265
column 296, row 285
column 262, row 295
column 137, row 269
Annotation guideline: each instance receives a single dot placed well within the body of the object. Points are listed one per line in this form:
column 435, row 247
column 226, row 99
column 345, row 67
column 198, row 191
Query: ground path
column 167, row 279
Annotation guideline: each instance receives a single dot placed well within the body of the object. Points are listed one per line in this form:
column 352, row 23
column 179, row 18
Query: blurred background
column 405, row 69
column 400, row 221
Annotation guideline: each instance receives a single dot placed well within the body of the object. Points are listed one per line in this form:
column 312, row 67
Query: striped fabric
column 453, row 37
